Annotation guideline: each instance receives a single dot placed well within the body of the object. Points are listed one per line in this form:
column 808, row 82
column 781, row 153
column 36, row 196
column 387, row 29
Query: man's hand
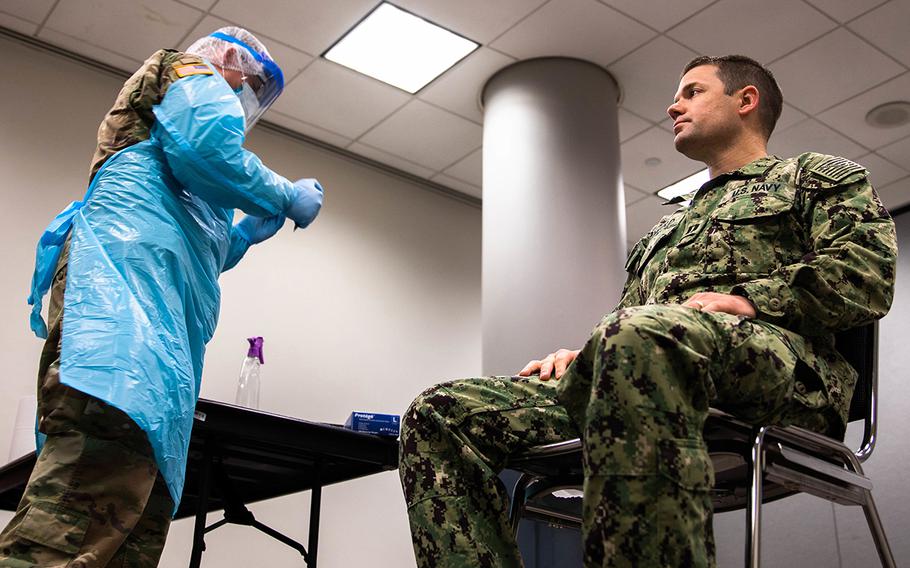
column 553, row 362
column 726, row 303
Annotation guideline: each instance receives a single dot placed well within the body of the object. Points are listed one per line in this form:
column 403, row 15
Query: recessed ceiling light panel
column 399, row 48
column 685, row 186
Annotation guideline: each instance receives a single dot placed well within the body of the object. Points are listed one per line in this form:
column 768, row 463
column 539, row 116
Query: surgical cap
column 213, row 48
column 253, row 60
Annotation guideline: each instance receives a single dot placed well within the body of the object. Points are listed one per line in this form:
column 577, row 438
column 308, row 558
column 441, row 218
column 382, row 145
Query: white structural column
column 554, row 234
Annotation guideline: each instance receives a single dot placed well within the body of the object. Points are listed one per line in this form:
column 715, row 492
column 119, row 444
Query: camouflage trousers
column 638, row 394
column 95, row 498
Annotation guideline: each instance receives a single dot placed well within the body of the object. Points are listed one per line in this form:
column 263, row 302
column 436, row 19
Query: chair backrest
column 860, row 347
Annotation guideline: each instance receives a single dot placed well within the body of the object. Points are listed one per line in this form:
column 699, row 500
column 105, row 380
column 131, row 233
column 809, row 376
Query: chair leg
column 753, row 508
column 519, row 500
column 878, row 532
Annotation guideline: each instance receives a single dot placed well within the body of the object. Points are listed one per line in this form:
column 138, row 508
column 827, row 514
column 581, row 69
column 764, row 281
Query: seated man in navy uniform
column 731, row 301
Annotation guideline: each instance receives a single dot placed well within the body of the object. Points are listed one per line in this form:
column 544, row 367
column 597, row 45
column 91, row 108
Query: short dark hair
column 738, row 71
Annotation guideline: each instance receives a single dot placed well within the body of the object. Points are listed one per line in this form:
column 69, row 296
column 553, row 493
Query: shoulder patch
column 195, row 69
column 835, row 169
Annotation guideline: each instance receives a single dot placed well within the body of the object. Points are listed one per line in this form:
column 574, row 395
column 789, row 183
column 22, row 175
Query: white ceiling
column 835, row 60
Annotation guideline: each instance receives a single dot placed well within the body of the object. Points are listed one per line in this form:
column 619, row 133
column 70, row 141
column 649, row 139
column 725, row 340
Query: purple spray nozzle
column 256, row 348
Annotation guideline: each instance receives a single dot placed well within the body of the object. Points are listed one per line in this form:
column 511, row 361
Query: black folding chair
column 753, row 464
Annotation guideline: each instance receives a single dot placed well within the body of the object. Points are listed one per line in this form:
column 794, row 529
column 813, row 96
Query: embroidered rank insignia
column 196, row 69
column 836, row 169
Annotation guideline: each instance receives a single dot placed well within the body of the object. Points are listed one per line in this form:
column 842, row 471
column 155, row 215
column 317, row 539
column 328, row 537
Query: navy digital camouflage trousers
column 638, row 394
column 95, row 498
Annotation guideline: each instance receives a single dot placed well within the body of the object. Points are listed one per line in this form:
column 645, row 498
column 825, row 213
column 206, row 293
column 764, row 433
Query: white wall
column 378, row 299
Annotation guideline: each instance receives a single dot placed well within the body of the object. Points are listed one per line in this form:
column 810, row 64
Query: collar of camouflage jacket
column 754, row 168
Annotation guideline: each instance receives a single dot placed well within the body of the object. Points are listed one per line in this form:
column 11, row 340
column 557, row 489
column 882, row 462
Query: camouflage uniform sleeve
column 130, row 119
column 126, row 123
column 846, row 277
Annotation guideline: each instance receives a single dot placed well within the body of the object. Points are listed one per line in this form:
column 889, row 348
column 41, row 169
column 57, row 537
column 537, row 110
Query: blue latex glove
column 257, row 229
column 306, row 205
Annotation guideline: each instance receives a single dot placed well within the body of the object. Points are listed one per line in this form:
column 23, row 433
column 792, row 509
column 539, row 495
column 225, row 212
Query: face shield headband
column 257, row 99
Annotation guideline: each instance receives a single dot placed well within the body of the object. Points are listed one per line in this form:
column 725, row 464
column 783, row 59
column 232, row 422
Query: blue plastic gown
column 148, row 244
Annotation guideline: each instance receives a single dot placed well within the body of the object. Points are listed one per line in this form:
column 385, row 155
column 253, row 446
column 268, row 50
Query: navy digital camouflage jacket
column 805, row 239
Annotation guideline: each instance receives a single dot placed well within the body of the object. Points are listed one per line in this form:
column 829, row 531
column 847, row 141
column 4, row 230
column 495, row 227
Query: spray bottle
column 248, row 387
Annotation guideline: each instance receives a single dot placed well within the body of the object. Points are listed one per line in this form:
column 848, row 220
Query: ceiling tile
column 816, row 77
column 659, row 15
column 29, row 10
column 887, row 28
column 881, row 171
column 632, row 194
column 649, row 76
column 762, row 30
column 813, row 136
column 458, row 185
column 427, row 135
column 642, row 215
column 585, row 29
column 899, row 152
column 386, row 158
column 654, row 143
column 291, row 60
column 335, row 98
column 17, row 24
column 779, row 135
column 896, row 194
column 469, row 170
column 478, row 20
column 788, row 117
column 304, row 128
column 844, row 10
column 203, row 5
column 850, row 117
column 630, row 124
column 458, row 89
column 93, row 51
column 132, row 29
column 309, row 25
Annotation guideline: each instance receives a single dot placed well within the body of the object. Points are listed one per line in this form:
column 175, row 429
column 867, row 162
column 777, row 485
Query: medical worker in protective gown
column 133, row 271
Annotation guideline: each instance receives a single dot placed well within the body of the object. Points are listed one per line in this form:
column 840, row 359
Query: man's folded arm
column 848, row 277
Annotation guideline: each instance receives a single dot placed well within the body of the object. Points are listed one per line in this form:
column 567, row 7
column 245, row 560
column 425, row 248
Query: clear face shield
column 260, row 86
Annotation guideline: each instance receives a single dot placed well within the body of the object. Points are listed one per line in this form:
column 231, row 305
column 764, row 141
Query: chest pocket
column 744, row 235
column 649, row 244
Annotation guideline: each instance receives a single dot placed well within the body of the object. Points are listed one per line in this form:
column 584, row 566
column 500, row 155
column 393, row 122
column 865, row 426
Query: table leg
column 315, row 504
column 202, row 507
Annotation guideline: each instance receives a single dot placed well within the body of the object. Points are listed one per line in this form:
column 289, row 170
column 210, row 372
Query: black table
column 238, row 456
